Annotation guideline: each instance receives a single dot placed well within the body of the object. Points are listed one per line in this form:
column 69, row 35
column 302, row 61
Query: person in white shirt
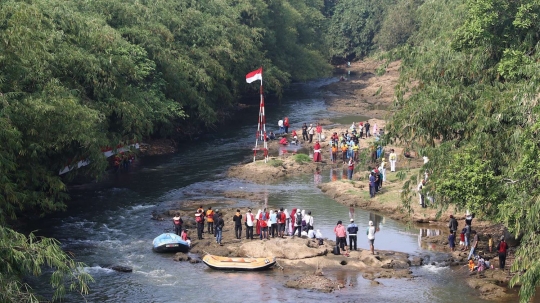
column 311, row 132
column 309, row 221
column 287, row 222
column 249, row 224
column 393, row 159
column 281, row 127
column 371, row 237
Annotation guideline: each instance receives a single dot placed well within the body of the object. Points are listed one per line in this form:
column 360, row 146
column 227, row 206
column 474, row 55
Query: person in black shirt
column 237, row 218
column 304, row 132
column 219, row 229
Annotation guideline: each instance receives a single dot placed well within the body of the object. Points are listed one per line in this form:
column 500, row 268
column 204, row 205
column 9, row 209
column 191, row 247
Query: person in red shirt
column 502, row 248
column 286, row 124
column 350, row 169
column 283, row 141
column 263, row 218
column 317, row 152
column 318, row 130
column 281, row 219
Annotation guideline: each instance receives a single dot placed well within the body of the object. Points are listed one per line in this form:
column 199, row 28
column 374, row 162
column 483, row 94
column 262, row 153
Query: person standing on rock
column 219, row 229
column 311, row 131
column 293, row 218
column 452, row 241
column 319, row 132
column 258, row 224
column 286, row 124
column 237, row 218
column 273, row 223
column 371, row 237
column 263, row 218
column 366, row 126
column 474, row 245
column 177, row 222
column 502, row 248
column 317, row 152
column 309, row 221
column 350, row 169
column 210, row 220
column 341, row 235
column 199, row 218
column 287, row 222
column 249, row 224
column 202, row 216
column 281, row 219
column 352, row 229
column 467, row 236
column 453, row 225
column 297, row 223
column 305, row 133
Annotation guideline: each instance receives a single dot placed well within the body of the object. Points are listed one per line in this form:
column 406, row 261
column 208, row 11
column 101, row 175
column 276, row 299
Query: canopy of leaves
column 470, row 74
column 77, row 76
column 29, row 256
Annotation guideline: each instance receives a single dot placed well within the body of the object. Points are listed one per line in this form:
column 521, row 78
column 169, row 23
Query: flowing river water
column 109, row 223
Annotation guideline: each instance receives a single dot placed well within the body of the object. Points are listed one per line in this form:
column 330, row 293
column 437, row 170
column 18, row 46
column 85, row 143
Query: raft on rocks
column 245, row 264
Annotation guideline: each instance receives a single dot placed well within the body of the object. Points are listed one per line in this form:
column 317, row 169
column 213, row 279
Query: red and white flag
column 254, row 75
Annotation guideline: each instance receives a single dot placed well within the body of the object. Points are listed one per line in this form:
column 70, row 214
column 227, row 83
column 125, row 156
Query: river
column 109, row 223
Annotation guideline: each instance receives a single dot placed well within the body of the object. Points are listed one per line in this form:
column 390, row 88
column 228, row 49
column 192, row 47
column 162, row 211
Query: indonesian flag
column 254, row 75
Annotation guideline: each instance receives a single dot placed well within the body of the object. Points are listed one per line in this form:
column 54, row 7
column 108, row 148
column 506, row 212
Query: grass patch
column 302, row 158
column 353, row 192
column 275, row 163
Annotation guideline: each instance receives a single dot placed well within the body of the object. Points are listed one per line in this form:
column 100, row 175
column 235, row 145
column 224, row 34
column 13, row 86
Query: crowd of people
column 270, row 224
column 465, row 243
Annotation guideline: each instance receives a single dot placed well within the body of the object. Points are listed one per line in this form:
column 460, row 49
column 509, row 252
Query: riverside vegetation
column 81, row 75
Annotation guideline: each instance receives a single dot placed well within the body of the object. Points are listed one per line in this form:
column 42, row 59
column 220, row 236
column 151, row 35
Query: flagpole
column 261, row 123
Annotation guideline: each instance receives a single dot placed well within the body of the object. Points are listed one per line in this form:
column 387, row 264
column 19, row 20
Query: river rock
column 416, row 261
column 313, row 282
column 290, row 249
column 181, row 257
column 121, row 268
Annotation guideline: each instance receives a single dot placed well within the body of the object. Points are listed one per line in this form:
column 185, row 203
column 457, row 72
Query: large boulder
column 291, row 249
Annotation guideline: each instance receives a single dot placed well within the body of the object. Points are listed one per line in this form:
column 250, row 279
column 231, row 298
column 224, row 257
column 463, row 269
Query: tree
column 23, row 256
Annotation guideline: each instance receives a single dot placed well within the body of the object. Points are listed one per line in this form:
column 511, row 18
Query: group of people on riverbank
column 271, row 224
column 352, row 231
column 465, row 244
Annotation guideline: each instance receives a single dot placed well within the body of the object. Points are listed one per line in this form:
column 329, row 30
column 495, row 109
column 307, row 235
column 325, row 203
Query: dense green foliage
column 26, row 256
column 470, row 74
column 77, row 76
column 353, row 26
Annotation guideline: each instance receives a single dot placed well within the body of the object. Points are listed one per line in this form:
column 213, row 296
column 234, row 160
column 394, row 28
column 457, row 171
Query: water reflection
column 317, row 177
column 427, row 232
column 377, row 221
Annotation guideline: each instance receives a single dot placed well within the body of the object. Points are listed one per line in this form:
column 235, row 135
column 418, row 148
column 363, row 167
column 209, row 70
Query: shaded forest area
column 77, row 76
